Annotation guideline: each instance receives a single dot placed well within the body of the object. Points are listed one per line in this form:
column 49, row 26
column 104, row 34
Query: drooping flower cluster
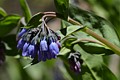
column 75, row 62
column 40, row 42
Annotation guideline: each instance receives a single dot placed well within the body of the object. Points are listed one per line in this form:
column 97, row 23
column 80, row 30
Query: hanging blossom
column 75, row 61
column 40, row 42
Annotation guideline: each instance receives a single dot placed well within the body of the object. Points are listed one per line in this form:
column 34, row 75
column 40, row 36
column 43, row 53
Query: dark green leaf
column 62, row 8
column 35, row 20
column 2, row 12
column 67, row 41
column 96, row 65
column 95, row 48
column 93, row 67
column 96, row 23
column 8, row 23
column 11, row 45
column 88, row 43
column 26, row 10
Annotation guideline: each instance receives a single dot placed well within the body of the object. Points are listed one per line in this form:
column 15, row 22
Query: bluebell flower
column 38, row 43
column 31, row 51
column 24, row 30
column 25, row 49
column 54, row 48
column 75, row 62
column 20, row 44
column 43, row 45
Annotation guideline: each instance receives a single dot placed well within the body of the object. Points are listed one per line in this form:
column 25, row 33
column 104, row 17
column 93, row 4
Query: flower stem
column 88, row 31
column 101, row 39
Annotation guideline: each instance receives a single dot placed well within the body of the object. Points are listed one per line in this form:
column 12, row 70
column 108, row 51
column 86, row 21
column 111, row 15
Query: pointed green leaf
column 96, row 23
column 2, row 12
column 26, row 10
column 93, row 67
column 35, row 20
column 8, row 23
column 62, row 7
column 96, row 65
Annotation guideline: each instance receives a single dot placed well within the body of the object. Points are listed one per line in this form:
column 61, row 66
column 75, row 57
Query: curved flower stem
column 88, row 31
column 101, row 39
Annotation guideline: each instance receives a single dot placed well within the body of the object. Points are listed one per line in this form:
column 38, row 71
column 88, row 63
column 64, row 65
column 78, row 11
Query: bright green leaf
column 2, row 12
column 96, row 23
column 96, row 65
column 8, row 23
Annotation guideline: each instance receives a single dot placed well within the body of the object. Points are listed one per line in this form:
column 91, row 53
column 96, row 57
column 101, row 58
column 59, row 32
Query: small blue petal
column 25, row 53
column 53, row 55
column 25, row 47
column 20, row 44
column 22, row 32
column 43, row 45
column 54, row 48
column 31, row 50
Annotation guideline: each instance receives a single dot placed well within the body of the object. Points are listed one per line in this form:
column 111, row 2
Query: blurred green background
column 12, row 69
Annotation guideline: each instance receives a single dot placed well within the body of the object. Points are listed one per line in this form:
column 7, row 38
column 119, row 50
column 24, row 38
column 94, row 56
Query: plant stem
column 101, row 39
column 88, row 31
column 88, row 40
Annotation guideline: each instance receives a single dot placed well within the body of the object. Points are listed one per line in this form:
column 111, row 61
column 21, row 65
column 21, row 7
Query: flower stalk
column 90, row 32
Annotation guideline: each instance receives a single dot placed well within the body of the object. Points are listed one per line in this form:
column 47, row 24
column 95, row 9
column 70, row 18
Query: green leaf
column 96, row 23
column 8, row 23
column 35, row 20
column 62, row 7
column 94, row 48
column 26, row 10
column 2, row 13
column 11, row 45
column 96, row 65
column 66, row 42
column 93, row 67
column 88, row 43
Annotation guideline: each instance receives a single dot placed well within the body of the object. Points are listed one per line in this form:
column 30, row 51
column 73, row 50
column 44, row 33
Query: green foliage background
column 94, row 63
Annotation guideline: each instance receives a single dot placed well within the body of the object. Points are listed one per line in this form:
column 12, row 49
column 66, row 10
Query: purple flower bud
column 25, row 51
column 43, row 45
column 75, row 62
column 20, row 44
column 77, row 67
column 22, row 32
column 54, row 48
column 31, row 50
